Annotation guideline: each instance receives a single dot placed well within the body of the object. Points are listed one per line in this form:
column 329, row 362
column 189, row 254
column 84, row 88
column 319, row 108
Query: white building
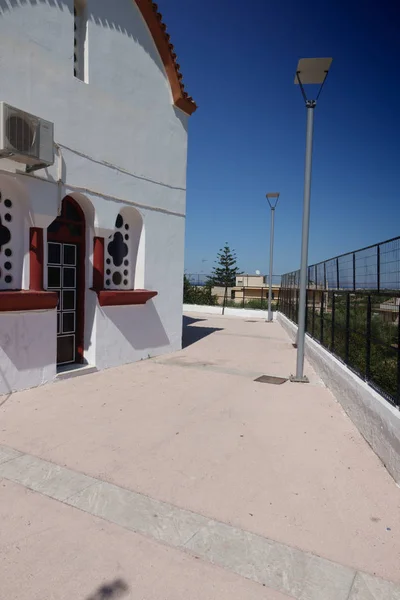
column 102, row 229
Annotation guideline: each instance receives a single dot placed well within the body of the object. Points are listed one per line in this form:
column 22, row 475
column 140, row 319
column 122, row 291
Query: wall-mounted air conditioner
column 25, row 138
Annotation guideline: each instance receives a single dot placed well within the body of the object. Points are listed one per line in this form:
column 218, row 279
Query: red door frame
column 64, row 236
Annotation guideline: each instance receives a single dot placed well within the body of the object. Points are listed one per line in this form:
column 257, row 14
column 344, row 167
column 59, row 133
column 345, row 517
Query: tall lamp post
column 272, row 198
column 309, row 71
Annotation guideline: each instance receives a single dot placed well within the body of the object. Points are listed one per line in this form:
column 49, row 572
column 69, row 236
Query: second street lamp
column 272, row 198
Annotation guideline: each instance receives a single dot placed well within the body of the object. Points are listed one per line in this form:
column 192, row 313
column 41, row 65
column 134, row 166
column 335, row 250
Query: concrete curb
column 244, row 313
column 374, row 417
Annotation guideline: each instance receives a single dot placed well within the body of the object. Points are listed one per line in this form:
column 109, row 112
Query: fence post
column 243, row 294
column 346, row 352
column 313, row 313
column 398, row 360
column 354, row 271
column 337, row 274
column 306, row 315
column 322, row 318
column 224, row 302
column 325, row 275
column 297, row 307
column 368, row 340
column 333, row 323
column 378, row 267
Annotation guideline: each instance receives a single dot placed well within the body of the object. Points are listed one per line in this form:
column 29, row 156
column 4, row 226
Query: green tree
column 225, row 271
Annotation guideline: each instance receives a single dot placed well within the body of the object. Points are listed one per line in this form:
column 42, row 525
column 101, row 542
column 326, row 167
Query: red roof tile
column 161, row 39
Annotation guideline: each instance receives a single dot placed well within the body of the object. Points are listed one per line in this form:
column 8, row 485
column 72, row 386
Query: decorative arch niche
column 123, row 267
column 13, row 236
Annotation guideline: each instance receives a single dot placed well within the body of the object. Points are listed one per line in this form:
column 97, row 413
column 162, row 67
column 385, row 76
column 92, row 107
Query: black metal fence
column 201, row 279
column 240, row 296
column 353, row 310
column 245, row 297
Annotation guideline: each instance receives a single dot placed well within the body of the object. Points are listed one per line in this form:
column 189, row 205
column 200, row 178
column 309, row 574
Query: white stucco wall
column 123, row 143
column 243, row 313
column 27, row 349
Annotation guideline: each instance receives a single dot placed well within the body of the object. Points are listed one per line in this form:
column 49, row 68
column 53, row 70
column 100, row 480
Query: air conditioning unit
column 25, row 138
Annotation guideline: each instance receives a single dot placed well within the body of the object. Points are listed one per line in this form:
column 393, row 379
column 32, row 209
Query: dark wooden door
column 66, row 276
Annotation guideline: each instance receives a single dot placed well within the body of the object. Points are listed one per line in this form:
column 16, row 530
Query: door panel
column 62, row 278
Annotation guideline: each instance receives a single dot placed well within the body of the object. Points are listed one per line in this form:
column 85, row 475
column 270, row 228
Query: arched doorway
column 66, row 276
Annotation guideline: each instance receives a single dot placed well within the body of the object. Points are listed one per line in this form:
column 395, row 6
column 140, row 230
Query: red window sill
column 124, row 297
column 21, row 300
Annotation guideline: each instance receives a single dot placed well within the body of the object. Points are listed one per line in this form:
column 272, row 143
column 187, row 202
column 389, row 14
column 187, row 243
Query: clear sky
column 247, row 137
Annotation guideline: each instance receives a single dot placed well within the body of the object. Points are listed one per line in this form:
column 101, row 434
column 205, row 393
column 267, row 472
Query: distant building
column 248, row 288
column 389, row 310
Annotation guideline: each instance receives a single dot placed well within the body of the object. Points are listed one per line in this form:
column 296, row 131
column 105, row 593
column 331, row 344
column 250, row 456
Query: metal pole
column 271, row 261
column 310, row 105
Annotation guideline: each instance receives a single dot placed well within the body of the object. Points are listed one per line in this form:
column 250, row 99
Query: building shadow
column 190, row 320
column 191, row 335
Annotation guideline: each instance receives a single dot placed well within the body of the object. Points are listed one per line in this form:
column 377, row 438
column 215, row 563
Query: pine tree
column 226, row 269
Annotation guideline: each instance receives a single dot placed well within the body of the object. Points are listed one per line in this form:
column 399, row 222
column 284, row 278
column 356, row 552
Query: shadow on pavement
column 110, row 591
column 191, row 335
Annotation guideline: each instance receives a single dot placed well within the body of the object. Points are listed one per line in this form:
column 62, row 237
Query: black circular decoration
column 126, row 237
column 8, row 279
column 108, row 261
column 7, row 217
column 117, row 278
column 5, row 235
column 108, row 272
column 125, row 282
column 126, row 226
column 8, row 266
column 126, row 262
column 8, row 252
column 117, row 249
column 108, row 282
column 126, row 272
column 119, row 222
column 8, row 203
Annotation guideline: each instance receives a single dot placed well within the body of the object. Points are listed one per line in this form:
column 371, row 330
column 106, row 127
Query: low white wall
column 376, row 419
column 229, row 312
column 27, row 349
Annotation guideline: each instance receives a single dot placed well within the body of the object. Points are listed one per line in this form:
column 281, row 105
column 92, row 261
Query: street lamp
column 272, row 198
column 309, row 71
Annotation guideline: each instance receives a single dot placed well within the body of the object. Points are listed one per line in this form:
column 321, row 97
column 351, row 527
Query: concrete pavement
column 283, row 489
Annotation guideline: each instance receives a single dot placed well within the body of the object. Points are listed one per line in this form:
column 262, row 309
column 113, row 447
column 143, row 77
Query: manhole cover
column 271, row 379
column 250, row 321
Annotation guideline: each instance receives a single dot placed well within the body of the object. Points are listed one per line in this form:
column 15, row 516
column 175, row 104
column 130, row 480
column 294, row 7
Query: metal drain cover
column 271, row 379
column 250, row 321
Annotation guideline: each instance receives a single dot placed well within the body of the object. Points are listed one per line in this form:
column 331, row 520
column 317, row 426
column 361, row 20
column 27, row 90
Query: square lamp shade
column 312, row 70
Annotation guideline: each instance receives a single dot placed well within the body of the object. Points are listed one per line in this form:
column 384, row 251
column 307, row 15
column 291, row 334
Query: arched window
column 13, row 232
column 124, row 252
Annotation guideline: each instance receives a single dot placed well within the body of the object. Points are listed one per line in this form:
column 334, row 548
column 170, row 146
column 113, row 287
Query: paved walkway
column 181, row 477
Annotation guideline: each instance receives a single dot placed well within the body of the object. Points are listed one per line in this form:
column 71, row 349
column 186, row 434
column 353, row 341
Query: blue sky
column 247, row 137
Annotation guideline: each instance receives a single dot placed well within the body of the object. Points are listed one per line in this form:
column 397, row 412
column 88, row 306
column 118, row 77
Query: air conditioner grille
column 19, row 132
